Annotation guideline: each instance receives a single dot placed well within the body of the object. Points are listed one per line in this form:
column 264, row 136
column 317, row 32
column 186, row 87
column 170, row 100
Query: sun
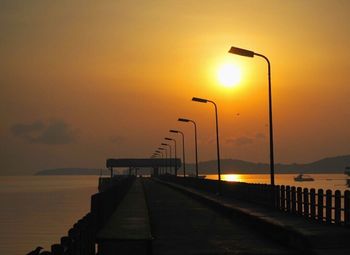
column 229, row 75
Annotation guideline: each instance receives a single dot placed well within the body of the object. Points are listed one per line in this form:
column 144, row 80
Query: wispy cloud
column 117, row 139
column 245, row 139
column 259, row 136
column 53, row 133
column 242, row 140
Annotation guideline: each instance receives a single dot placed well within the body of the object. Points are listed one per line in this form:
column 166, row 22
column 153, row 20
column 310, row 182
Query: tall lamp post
column 195, row 140
column 166, row 156
column 171, row 139
column 160, row 153
column 166, row 144
column 183, row 148
column 251, row 54
column 201, row 100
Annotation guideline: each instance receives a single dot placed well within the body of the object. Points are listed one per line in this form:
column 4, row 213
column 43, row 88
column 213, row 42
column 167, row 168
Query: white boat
column 303, row 178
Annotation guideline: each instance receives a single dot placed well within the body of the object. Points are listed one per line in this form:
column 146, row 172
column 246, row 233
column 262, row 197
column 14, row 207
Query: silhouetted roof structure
column 143, row 162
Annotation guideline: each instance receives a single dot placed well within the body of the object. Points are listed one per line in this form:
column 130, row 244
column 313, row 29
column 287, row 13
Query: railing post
column 294, row 200
column 337, row 207
column 66, row 243
column 73, row 234
column 283, row 198
column 320, row 197
column 328, row 206
column 277, row 197
column 56, row 249
column 347, row 207
column 300, row 201
column 288, row 198
column 306, row 202
column 312, row 204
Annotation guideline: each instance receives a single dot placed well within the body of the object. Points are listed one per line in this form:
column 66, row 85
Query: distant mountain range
column 232, row 166
column 72, row 171
column 327, row 165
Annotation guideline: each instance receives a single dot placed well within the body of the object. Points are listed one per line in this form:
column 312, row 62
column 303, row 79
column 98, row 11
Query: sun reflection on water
column 232, row 178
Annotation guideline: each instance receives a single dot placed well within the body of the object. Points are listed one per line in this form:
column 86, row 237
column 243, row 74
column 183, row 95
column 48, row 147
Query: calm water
column 38, row 210
column 321, row 181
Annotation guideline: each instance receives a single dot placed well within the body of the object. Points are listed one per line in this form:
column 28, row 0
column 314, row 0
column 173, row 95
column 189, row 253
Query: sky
column 83, row 81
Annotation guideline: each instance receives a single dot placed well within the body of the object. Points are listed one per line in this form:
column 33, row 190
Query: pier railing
column 317, row 205
column 323, row 206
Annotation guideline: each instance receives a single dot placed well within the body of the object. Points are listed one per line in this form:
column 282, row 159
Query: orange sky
column 85, row 80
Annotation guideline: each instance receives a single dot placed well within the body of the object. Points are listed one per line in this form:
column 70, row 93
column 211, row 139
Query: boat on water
column 347, row 170
column 303, row 178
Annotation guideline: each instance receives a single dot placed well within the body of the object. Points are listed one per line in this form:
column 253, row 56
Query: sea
column 39, row 210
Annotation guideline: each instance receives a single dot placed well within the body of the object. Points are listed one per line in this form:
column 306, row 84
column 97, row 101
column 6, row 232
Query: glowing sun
column 229, row 75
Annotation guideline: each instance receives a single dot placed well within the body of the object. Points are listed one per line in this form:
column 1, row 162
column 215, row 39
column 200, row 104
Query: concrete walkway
column 182, row 225
column 290, row 230
column 128, row 229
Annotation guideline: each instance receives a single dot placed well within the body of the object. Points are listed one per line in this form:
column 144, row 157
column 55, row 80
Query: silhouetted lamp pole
column 161, row 151
column 195, row 140
column 251, row 54
column 166, row 157
column 183, row 148
column 171, row 139
column 201, row 100
column 165, row 144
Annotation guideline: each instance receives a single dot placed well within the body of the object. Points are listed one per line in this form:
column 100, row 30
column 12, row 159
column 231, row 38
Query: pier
column 167, row 214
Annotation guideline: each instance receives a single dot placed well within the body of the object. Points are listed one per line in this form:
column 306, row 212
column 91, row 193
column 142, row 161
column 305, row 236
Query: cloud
column 117, row 139
column 54, row 133
column 23, row 130
column 240, row 141
column 259, row 136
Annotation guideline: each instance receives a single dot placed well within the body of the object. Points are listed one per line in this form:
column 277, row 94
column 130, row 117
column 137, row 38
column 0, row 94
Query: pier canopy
column 143, row 162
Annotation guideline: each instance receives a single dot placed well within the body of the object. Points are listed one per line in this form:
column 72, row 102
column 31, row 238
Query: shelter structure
column 135, row 163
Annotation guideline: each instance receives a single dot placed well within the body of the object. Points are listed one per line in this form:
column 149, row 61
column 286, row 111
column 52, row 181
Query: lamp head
column 167, row 138
column 164, row 144
column 160, row 148
column 173, row 131
column 241, row 52
column 200, row 100
column 183, row 120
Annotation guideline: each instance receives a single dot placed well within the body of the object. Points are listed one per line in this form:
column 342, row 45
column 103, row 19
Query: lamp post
column 251, row 54
column 201, row 100
column 171, row 139
column 166, row 157
column 183, row 148
column 165, row 144
column 161, row 151
column 195, row 140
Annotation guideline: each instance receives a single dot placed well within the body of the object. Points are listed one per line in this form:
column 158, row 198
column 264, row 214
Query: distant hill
column 232, row 166
column 72, row 171
column 326, row 165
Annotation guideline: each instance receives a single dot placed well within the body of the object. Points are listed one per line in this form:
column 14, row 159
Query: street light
column 251, row 54
column 165, row 144
column 171, row 139
column 195, row 140
column 166, row 156
column 201, row 100
column 159, row 153
column 183, row 148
